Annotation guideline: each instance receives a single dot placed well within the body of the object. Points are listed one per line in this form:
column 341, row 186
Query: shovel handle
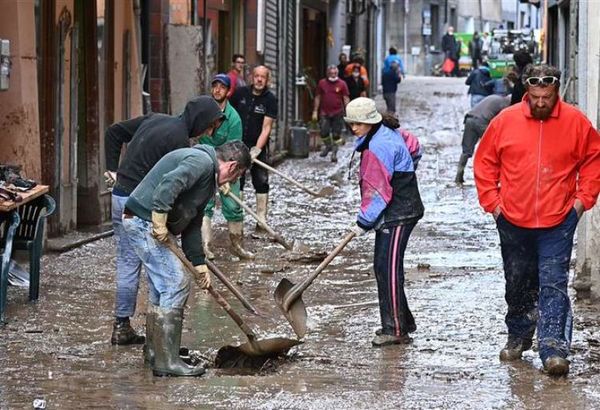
column 297, row 290
column 213, row 292
column 262, row 223
column 284, row 176
column 232, row 288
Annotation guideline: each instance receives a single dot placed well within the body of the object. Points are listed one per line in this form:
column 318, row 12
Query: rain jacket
column 478, row 81
column 157, row 135
column 388, row 184
column 180, row 184
column 534, row 170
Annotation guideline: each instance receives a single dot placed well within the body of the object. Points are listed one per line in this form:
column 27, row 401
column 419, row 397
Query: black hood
column 199, row 113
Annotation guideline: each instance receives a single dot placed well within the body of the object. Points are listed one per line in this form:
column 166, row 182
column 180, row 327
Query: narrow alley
column 58, row 349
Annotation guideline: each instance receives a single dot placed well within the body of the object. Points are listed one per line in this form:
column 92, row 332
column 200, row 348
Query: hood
column 199, row 113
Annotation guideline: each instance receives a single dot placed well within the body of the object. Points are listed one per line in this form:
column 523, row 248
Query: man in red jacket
column 537, row 169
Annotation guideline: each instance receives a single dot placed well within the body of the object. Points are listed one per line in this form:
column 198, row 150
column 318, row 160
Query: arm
column 191, row 238
column 316, row 105
column 263, row 138
column 469, row 79
column 588, row 181
column 487, row 170
column 115, row 136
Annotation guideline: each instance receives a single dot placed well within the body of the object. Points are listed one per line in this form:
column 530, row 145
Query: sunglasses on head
column 541, row 81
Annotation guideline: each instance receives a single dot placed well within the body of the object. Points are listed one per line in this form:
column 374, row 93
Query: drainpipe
column 260, row 26
column 205, row 44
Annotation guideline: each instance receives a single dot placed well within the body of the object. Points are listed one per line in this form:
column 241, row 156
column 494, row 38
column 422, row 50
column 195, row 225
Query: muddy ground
column 58, row 349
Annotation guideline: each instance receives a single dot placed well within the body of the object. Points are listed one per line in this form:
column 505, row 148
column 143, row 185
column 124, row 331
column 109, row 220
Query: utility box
column 299, row 143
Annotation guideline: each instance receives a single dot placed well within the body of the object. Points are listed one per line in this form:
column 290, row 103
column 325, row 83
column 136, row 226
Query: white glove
column 110, row 177
column 255, row 152
column 225, row 188
column 204, row 279
column 358, row 231
column 159, row 226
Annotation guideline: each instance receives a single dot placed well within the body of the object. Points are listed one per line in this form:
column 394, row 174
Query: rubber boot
column 325, row 150
column 236, row 236
column 334, row 151
column 460, row 172
column 167, row 342
column 123, row 334
column 149, row 346
column 207, row 237
column 262, row 202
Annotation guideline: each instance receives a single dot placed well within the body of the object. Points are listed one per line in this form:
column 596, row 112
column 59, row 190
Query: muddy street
column 58, row 349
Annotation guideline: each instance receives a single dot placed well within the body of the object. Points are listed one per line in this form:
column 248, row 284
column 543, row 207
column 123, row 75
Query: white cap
column 362, row 110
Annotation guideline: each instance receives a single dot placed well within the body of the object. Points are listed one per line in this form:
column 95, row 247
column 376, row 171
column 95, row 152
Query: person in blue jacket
column 391, row 205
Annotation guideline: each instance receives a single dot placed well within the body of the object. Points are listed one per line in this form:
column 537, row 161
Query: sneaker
column 556, row 366
column 123, row 334
column 514, row 348
column 381, row 340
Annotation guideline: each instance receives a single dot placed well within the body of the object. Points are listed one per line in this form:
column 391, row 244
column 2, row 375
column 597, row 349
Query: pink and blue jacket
column 388, row 183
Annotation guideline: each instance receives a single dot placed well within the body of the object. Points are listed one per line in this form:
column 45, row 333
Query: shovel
column 232, row 288
column 327, row 191
column 267, row 348
column 289, row 296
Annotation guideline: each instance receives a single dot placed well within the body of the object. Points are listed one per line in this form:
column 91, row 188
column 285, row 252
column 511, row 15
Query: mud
column 58, row 349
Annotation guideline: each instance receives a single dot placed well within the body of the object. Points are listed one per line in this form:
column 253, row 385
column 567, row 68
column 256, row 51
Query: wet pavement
column 58, row 349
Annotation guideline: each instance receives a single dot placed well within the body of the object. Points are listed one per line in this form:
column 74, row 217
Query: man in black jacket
column 148, row 139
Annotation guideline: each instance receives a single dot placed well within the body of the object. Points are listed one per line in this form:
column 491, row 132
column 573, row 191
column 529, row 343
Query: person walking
column 170, row 201
column 537, row 169
column 148, row 139
column 236, row 74
column 476, row 50
column 450, row 48
column 522, row 60
column 331, row 96
column 358, row 61
column 476, row 122
column 480, row 85
column 392, row 58
column 230, row 130
column 486, row 42
column 391, row 205
column 257, row 107
column 343, row 62
column 390, row 79
column 356, row 83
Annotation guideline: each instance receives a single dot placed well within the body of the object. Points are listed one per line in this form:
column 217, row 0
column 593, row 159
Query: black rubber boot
column 123, row 334
column 149, row 346
column 167, row 342
column 460, row 172
column 325, row 150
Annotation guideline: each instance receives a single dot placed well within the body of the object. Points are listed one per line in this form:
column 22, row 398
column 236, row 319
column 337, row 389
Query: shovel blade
column 296, row 314
column 326, row 191
column 254, row 354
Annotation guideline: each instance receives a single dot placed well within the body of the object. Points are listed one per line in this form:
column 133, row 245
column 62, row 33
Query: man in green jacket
column 169, row 201
column 230, row 130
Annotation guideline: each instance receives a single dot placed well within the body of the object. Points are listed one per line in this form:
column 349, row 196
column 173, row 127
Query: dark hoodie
column 159, row 134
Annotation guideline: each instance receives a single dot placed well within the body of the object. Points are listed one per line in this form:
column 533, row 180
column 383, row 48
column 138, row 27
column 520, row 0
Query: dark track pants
column 390, row 244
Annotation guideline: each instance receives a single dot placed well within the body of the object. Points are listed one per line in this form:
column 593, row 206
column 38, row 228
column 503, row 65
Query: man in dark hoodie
column 170, row 200
column 148, row 139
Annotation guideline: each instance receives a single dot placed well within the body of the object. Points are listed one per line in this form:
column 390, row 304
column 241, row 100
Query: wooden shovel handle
column 284, row 176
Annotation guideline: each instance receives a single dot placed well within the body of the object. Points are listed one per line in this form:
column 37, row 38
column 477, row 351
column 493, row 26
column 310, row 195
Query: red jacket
column 536, row 169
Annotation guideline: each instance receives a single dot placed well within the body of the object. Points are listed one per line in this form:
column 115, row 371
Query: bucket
column 299, row 143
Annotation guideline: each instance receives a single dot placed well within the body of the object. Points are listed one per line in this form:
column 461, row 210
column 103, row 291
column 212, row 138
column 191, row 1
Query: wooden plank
column 39, row 190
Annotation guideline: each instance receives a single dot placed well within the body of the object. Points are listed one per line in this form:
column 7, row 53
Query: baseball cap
column 362, row 110
column 223, row 79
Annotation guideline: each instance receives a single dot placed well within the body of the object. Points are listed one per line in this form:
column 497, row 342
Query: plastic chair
column 30, row 236
column 8, row 237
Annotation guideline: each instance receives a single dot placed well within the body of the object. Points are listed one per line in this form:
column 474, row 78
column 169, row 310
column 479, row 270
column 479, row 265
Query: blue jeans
column 168, row 282
column 129, row 264
column 388, row 264
column 536, row 269
column 476, row 99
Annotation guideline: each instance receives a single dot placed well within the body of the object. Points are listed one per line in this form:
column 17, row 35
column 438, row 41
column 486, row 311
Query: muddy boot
column 207, row 237
column 381, row 340
column 460, row 172
column 236, row 235
column 325, row 150
column 334, row 151
column 262, row 204
column 514, row 348
column 149, row 346
column 123, row 333
column 167, row 342
column 556, row 366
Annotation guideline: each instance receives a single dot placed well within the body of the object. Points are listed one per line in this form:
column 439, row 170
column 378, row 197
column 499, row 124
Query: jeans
column 474, row 130
column 390, row 244
column 331, row 128
column 168, row 282
column 129, row 264
column 230, row 209
column 536, row 269
column 476, row 98
column 390, row 102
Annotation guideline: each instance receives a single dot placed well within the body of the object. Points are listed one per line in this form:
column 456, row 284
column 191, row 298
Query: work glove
column 159, row 226
column 315, row 116
column 110, row 177
column 255, row 152
column 225, row 188
column 358, row 231
column 204, row 279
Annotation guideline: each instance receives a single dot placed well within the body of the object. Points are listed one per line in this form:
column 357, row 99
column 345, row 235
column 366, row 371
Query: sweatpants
column 390, row 244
